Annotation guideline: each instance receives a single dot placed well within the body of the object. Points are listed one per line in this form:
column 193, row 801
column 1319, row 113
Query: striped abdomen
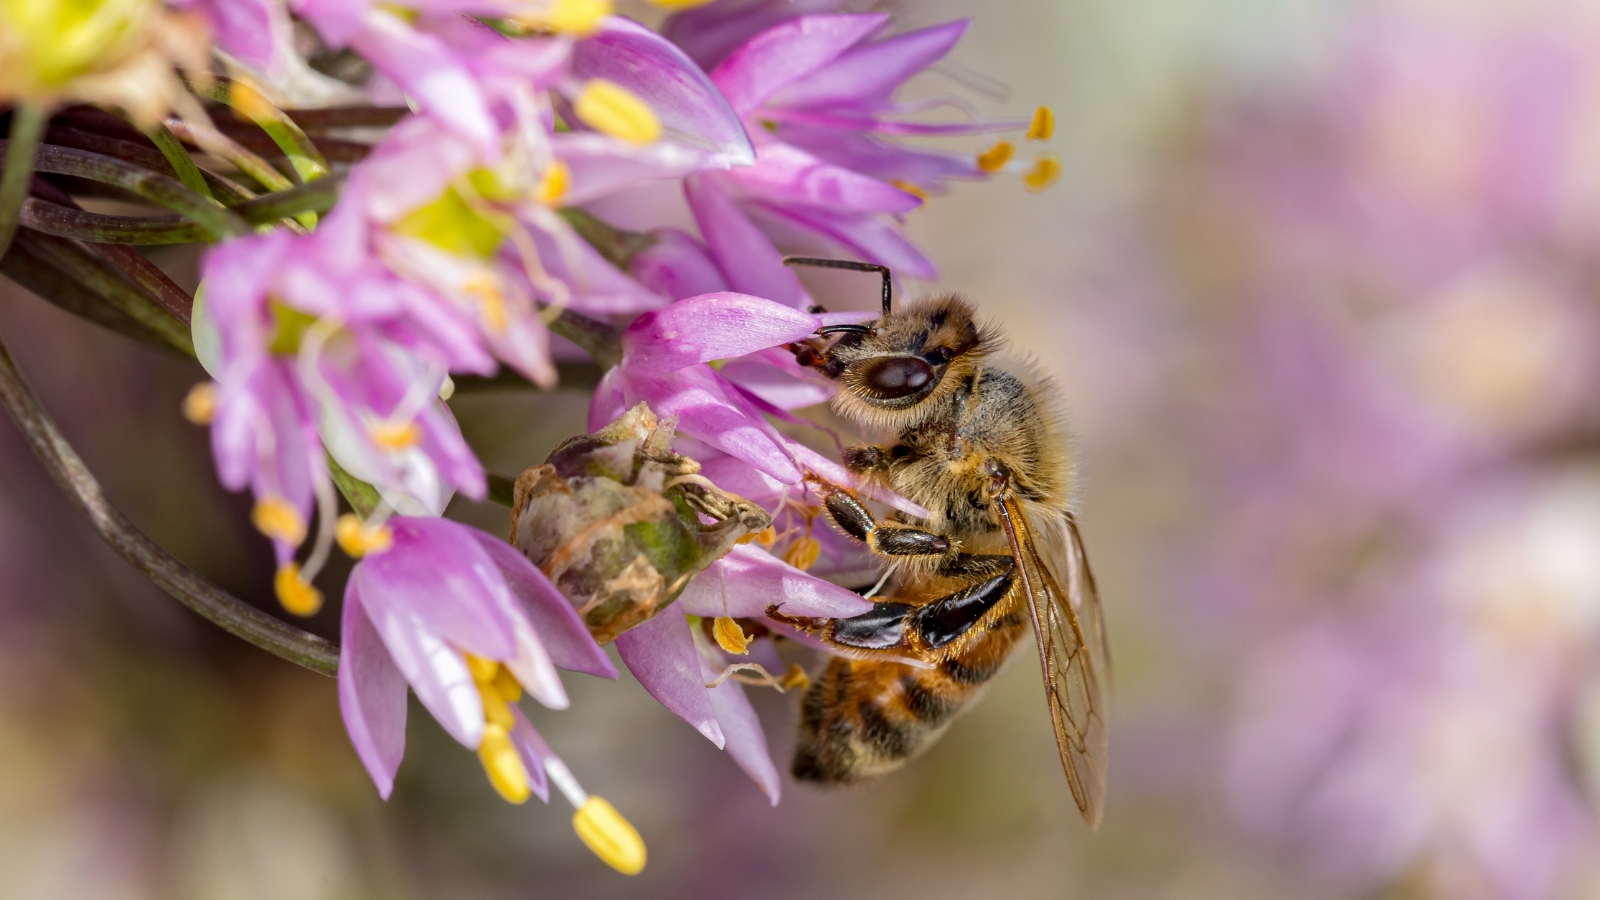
column 864, row 717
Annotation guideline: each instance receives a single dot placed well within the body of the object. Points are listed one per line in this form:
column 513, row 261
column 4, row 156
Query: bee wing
column 1067, row 653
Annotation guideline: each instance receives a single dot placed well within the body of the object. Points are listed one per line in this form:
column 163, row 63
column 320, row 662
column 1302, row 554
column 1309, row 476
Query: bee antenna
column 852, row 265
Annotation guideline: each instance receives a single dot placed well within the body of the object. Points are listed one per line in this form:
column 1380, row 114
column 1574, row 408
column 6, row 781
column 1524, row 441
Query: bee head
column 891, row 370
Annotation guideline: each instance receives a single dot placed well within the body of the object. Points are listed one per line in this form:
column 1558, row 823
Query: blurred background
column 1319, row 286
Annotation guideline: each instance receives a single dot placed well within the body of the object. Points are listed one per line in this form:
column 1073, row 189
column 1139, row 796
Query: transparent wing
column 1071, row 655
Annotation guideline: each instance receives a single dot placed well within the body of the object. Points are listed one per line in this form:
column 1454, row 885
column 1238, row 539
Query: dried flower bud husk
column 620, row 523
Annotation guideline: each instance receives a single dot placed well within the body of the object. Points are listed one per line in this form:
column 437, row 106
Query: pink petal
column 872, row 71
column 676, row 266
column 560, row 628
column 711, row 326
column 533, row 751
column 786, row 53
column 609, row 401
column 661, row 655
column 785, row 174
column 745, row 741
column 745, row 255
column 707, row 411
column 693, row 112
column 709, row 33
column 866, row 237
column 426, row 69
column 812, row 461
column 786, row 387
column 372, row 695
column 747, row 580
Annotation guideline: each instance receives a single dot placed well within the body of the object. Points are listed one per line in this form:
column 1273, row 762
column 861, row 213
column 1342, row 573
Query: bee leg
column 881, row 628
column 891, row 625
column 885, row 539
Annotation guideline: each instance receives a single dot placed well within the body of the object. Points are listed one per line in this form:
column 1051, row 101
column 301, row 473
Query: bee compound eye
column 897, row 376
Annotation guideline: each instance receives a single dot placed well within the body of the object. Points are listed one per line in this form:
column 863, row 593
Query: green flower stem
column 56, row 219
column 349, row 117
column 21, row 265
column 334, row 150
column 500, row 489
column 303, row 155
column 178, row 156
column 189, row 587
column 218, row 221
column 105, row 281
column 27, row 124
column 617, row 245
column 232, row 152
column 601, row 340
column 223, row 189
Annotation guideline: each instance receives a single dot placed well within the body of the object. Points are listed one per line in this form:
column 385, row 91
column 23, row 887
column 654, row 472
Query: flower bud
column 620, row 523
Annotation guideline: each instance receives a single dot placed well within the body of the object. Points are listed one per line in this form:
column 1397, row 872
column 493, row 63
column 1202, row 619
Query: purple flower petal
column 533, row 750
column 560, row 628
column 745, row 741
column 709, row 33
column 878, row 125
column 783, row 386
column 244, row 28
column 865, row 237
column 786, row 53
column 600, row 165
column 336, row 20
column 609, row 401
column 661, row 655
column 874, row 157
column 745, row 255
column 435, row 670
column 785, row 174
column 676, row 266
column 813, row 461
column 711, row 326
column 598, row 287
column 372, row 695
column 746, row 581
column 708, row 412
column 693, row 112
column 873, row 71
column 427, row 70
column 437, row 573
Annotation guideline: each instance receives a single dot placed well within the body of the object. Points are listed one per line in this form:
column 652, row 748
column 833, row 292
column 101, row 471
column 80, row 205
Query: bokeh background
column 1319, row 286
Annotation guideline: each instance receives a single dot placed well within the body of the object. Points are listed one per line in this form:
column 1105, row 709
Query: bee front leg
column 884, row 539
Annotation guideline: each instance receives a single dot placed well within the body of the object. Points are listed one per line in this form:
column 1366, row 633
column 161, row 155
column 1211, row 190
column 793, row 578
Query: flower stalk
column 27, row 124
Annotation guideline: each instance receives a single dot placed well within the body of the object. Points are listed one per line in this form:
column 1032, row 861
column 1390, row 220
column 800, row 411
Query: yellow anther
column 506, row 685
column 768, row 537
column 277, row 519
column 496, row 711
column 357, row 539
column 730, row 636
column 578, row 18
column 503, row 764
column 200, row 404
column 1043, row 124
column 995, row 158
column 1045, row 170
column 554, row 183
column 486, row 289
column 610, row 836
column 396, row 435
column 483, row 670
column 795, row 679
column 677, row 5
column 911, row 189
column 610, row 108
column 295, row 593
column 803, row 553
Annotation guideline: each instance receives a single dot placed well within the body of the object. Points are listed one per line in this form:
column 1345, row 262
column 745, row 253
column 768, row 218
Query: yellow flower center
column 553, row 186
column 452, row 225
column 995, row 158
column 1043, row 124
column 395, row 436
column 276, row 518
column 296, row 594
column 730, row 636
column 803, row 553
column 47, row 43
column 612, row 109
column 610, row 836
column 357, row 539
column 289, row 327
column 1046, row 169
column 200, row 404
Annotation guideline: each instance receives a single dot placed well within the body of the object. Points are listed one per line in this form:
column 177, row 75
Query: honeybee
column 983, row 451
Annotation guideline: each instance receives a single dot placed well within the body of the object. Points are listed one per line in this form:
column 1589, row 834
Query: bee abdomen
column 866, row 717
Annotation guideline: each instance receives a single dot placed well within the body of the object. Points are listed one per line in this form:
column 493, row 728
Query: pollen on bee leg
column 357, row 539
column 1045, row 170
column 1043, row 124
column 610, row 108
column 276, row 518
column 503, row 764
column 995, row 158
column 297, row 595
column 200, row 404
column 729, row 636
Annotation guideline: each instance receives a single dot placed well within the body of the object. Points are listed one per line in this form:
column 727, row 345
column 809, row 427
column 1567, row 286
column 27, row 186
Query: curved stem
column 223, row 189
column 178, row 157
column 601, row 340
column 28, row 269
column 192, row 590
column 304, row 157
column 27, row 123
column 159, row 189
column 59, row 220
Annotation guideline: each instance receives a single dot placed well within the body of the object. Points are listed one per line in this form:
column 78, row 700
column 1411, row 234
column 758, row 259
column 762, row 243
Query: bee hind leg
column 885, row 539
